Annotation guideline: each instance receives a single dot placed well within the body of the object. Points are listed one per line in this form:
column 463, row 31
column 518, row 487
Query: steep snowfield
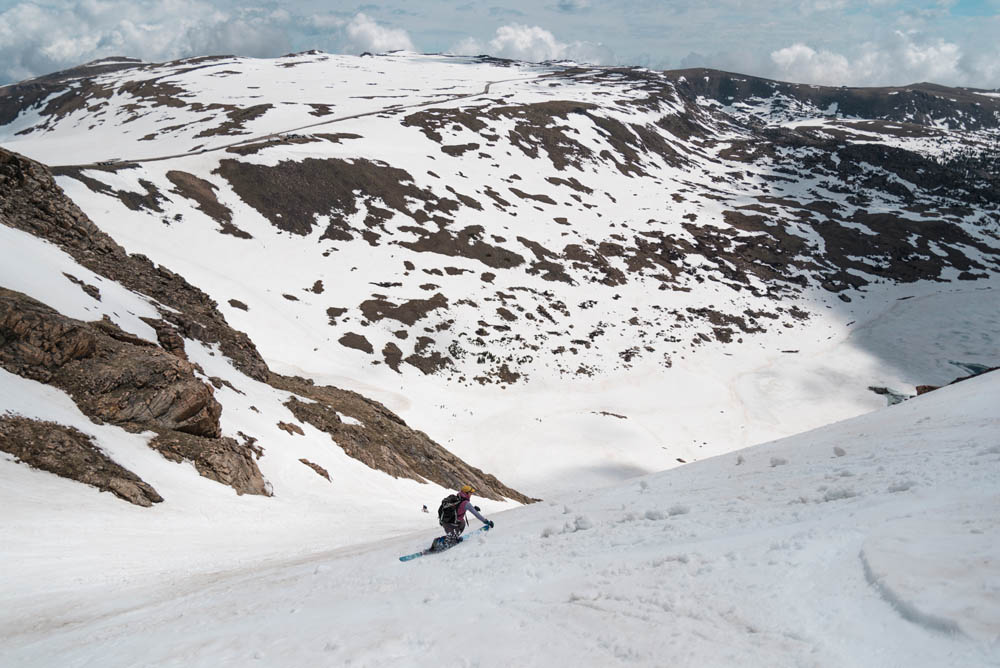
column 871, row 542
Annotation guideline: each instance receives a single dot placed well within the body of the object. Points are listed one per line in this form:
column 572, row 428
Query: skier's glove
column 489, row 523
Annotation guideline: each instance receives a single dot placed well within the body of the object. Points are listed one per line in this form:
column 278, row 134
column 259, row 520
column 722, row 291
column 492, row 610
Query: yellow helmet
column 467, row 489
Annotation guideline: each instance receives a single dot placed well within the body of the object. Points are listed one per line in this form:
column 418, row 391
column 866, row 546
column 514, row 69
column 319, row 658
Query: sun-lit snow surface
column 871, row 542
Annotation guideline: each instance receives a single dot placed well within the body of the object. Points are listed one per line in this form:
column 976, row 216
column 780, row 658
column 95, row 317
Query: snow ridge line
column 907, row 610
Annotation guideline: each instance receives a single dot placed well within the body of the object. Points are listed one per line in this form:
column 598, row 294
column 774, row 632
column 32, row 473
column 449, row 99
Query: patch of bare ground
column 333, row 313
column 69, row 453
column 254, row 147
column 202, row 193
column 237, row 118
column 408, row 312
column 317, row 468
column 383, row 441
column 570, row 183
column 357, row 342
column 465, row 199
column 392, row 356
column 337, row 137
column 429, row 363
column 291, row 428
column 292, row 193
column 500, row 374
column 467, row 243
column 533, row 130
column 149, row 200
column 318, row 109
column 545, row 263
column 545, row 199
column 457, row 150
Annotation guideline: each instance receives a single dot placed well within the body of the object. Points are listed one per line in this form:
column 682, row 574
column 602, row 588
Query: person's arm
column 475, row 512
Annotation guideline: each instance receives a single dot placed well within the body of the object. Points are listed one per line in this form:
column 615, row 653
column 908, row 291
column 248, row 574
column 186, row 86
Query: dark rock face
column 31, row 201
column 111, row 375
column 220, row 459
column 117, row 378
column 70, row 453
column 383, row 441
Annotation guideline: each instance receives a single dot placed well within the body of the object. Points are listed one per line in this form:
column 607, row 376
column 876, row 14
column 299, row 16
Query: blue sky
column 839, row 42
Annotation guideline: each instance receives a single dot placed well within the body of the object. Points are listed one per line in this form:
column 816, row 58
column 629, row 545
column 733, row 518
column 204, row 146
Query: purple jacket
column 465, row 505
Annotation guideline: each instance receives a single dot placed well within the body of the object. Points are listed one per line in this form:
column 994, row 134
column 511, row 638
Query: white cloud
column 533, row 44
column 799, row 62
column 370, row 36
column 37, row 39
column 903, row 58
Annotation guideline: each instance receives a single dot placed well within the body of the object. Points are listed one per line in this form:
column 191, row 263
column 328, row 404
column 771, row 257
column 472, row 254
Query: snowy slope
column 578, row 263
column 569, row 277
column 871, row 542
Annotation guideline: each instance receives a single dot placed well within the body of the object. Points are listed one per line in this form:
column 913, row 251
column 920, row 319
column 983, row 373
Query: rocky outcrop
column 220, row 459
column 383, row 441
column 30, row 200
column 317, row 468
column 924, row 389
column 70, row 453
column 111, row 375
column 118, row 378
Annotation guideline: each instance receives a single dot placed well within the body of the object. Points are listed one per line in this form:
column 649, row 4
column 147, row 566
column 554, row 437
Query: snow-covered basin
column 870, row 542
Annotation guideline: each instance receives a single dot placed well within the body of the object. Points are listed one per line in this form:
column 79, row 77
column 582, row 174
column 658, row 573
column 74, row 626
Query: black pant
column 452, row 531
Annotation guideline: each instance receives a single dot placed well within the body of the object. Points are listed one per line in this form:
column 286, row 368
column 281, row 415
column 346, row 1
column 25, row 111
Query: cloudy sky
column 842, row 42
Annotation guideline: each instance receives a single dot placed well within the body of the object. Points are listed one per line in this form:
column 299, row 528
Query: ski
column 409, row 557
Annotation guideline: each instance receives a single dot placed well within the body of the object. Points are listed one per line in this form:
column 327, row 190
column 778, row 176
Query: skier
column 451, row 516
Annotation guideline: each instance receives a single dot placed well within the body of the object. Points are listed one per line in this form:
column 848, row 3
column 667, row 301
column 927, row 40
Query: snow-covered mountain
column 469, row 240
column 280, row 305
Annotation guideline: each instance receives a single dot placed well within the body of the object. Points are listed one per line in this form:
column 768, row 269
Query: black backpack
column 448, row 510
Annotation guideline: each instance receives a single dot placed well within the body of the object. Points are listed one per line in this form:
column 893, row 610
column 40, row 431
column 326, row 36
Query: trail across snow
column 871, row 542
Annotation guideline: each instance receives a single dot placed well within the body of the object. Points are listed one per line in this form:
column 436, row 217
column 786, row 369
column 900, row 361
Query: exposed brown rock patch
column 407, row 313
column 317, row 468
column 69, row 453
column 356, row 341
column 383, row 441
